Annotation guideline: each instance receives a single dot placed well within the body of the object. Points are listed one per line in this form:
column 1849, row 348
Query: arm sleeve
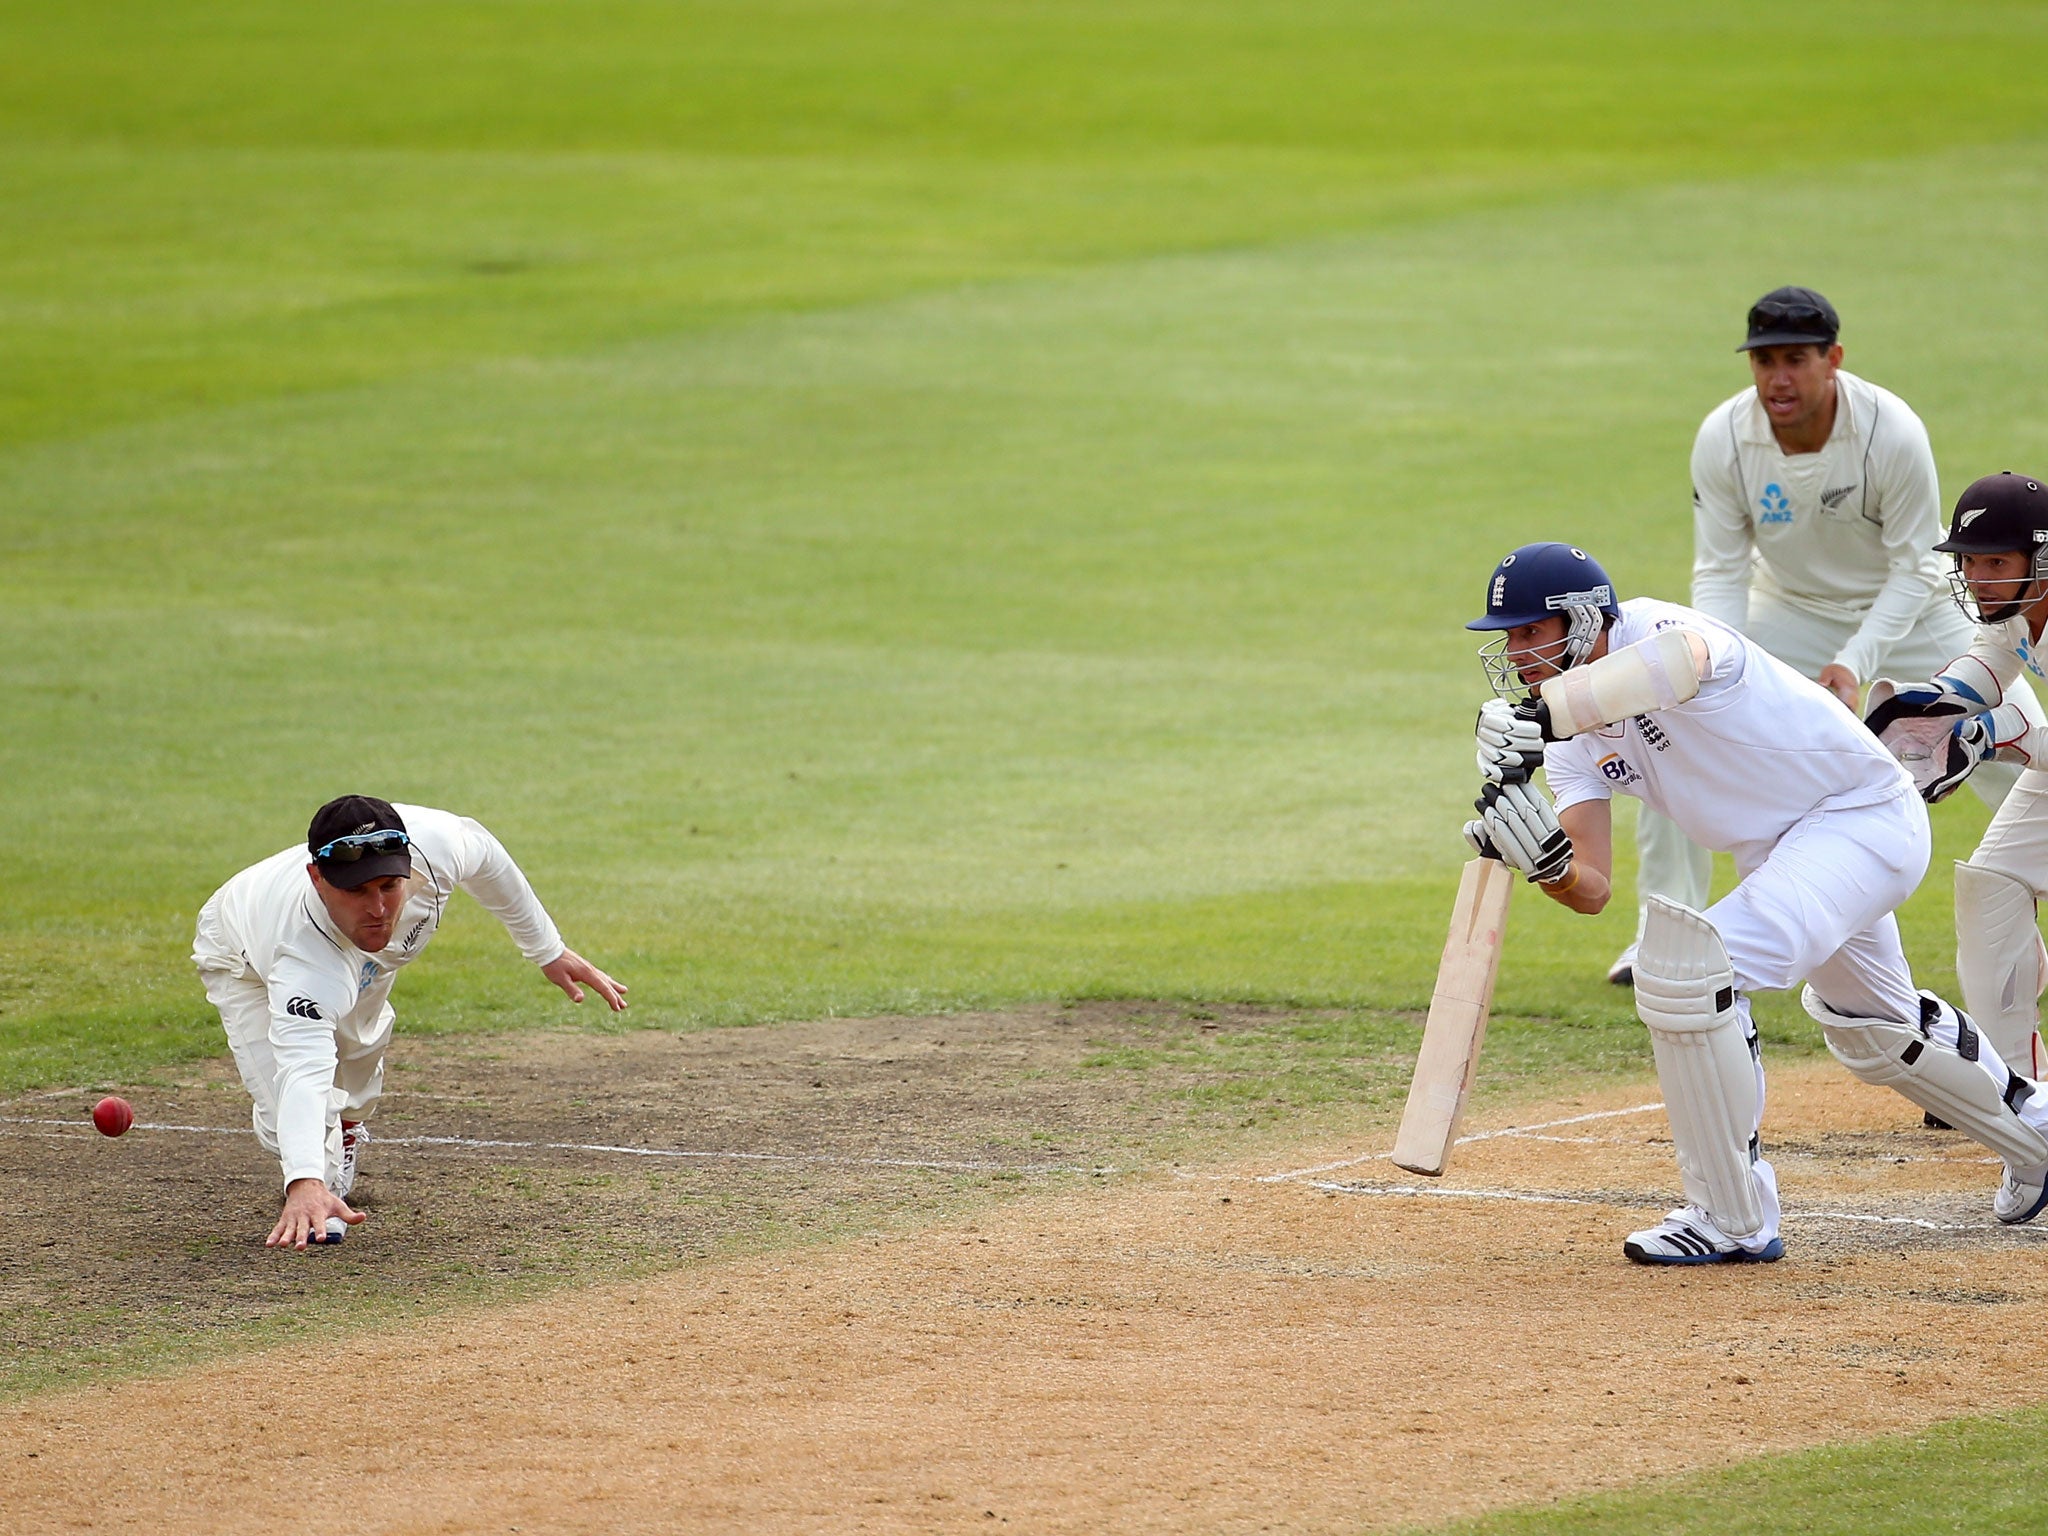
column 1909, row 509
column 1570, row 780
column 305, row 1002
column 1988, row 669
column 1723, row 540
column 485, row 870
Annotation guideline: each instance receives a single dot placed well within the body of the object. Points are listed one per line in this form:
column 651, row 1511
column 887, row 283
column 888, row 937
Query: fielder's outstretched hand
column 308, row 1203
column 568, row 969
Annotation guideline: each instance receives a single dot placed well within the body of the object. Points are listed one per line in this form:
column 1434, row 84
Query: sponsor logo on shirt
column 368, row 975
column 1776, row 504
column 302, row 1008
column 1832, row 499
column 2033, row 661
column 1617, row 769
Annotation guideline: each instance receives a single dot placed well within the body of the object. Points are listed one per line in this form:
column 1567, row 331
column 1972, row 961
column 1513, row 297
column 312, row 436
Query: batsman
column 1828, row 834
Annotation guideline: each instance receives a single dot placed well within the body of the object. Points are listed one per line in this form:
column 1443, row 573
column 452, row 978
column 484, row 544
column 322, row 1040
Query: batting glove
column 1524, row 827
column 1475, row 834
column 1510, row 744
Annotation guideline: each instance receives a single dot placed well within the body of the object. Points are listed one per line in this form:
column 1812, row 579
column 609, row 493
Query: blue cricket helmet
column 1539, row 580
column 1542, row 581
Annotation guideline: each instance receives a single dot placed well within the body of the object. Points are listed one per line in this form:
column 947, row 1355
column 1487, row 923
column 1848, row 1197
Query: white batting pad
column 1638, row 679
column 1941, row 1070
column 2000, row 963
column 1713, row 1090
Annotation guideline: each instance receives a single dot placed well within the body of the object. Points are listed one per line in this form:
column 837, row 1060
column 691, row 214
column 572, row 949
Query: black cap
column 1785, row 317
column 1998, row 513
column 350, row 816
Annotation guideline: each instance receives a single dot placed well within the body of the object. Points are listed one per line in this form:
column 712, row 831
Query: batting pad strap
column 1713, row 1090
column 1928, row 1070
column 1638, row 679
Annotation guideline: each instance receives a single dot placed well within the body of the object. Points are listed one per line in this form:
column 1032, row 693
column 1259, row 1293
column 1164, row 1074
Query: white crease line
column 1422, row 1192
column 1462, row 1141
column 140, row 1125
column 1416, row 1191
column 574, row 1146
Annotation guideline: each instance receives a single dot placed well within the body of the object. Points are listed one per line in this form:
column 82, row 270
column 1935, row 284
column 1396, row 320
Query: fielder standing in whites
column 1999, row 540
column 1815, row 511
column 1679, row 710
column 299, row 952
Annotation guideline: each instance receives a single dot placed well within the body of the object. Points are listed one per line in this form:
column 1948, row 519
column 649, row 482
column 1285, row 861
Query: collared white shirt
column 1847, row 533
column 269, row 921
column 1739, row 765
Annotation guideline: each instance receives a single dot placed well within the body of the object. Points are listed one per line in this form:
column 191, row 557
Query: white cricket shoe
column 1623, row 972
column 354, row 1137
column 2021, row 1197
column 1689, row 1236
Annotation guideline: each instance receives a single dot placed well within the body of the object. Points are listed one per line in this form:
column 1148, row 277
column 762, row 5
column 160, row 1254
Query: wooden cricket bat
column 1457, row 1019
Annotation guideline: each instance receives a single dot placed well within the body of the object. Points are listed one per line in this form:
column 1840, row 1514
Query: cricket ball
column 113, row 1115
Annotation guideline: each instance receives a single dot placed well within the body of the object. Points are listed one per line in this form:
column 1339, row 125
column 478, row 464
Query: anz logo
column 1617, row 769
column 1776, row 504
column 369, row 974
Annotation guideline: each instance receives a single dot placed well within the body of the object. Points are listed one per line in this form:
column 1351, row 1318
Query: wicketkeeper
column 1975, row 711
column 299, row 952
column 1661, row 702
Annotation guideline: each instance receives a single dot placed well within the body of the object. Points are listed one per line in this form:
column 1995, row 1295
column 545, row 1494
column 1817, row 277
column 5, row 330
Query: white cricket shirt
column 1847, row 534
column 1737, row 766
column 269, row 921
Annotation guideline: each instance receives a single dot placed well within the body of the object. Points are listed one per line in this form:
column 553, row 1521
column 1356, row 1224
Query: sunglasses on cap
column 362, row 845
column 1779, row 314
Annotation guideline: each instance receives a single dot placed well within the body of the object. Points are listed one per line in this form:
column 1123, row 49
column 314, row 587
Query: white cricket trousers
column 244, row 1004
column 1671, row 866
column 1819, row 909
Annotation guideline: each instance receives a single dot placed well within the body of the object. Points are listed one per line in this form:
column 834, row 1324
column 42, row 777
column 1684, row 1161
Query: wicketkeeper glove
column 1938, row 735
column 1510, row 744
column 1969, row 744
column 1523, row 825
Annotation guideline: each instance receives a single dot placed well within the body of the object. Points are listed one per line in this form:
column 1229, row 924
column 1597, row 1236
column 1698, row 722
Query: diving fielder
column 1684, row 713
column 1815, row 511
column 299, row 952
column 1999, row 541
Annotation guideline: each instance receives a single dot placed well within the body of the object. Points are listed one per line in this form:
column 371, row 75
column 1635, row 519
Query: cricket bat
column 1457, row 1019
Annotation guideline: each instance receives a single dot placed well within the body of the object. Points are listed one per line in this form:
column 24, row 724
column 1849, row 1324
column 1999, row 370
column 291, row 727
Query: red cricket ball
column 113, row 1115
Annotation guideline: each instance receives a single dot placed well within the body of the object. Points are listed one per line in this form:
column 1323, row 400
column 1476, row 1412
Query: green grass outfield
column 901, row 506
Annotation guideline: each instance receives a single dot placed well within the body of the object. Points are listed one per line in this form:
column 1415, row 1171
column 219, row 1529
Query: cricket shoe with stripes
column 1689, row 1236
column 2021, row 1196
